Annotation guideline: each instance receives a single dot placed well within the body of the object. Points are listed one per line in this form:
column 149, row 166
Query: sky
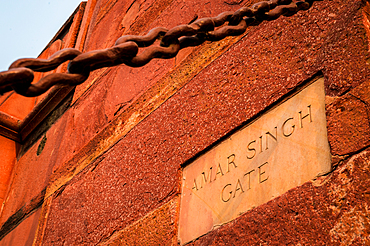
column 27, row 26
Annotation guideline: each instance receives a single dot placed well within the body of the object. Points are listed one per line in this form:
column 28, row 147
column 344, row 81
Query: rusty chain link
column 125, row 51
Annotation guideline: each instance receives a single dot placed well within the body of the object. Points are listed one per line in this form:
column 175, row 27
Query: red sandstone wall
column 110, row 171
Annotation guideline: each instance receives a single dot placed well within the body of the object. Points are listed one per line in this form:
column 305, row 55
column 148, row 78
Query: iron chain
column 20, row 75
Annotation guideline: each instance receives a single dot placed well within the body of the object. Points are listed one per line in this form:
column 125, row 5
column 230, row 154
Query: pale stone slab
column 282, row 149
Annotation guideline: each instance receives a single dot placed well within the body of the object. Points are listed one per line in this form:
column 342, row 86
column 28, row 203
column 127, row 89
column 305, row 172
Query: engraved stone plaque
column 282, row 149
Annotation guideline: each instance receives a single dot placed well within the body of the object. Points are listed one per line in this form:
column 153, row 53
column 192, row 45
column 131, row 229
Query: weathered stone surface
column 23, row 213
column 283, row 71
column 157, row 228
column 333, row 211
column 24, row 233
column 227, row 93
column 8, row 155
column 142, row 152
column 117, row 191
column 343, row 54
column 284, row 148
column 348, row 125
column 85, row 142
column 362, row 93
column 32, row 171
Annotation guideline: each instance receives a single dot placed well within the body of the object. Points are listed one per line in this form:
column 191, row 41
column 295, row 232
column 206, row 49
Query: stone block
column 348, row 125
column 157, row 228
